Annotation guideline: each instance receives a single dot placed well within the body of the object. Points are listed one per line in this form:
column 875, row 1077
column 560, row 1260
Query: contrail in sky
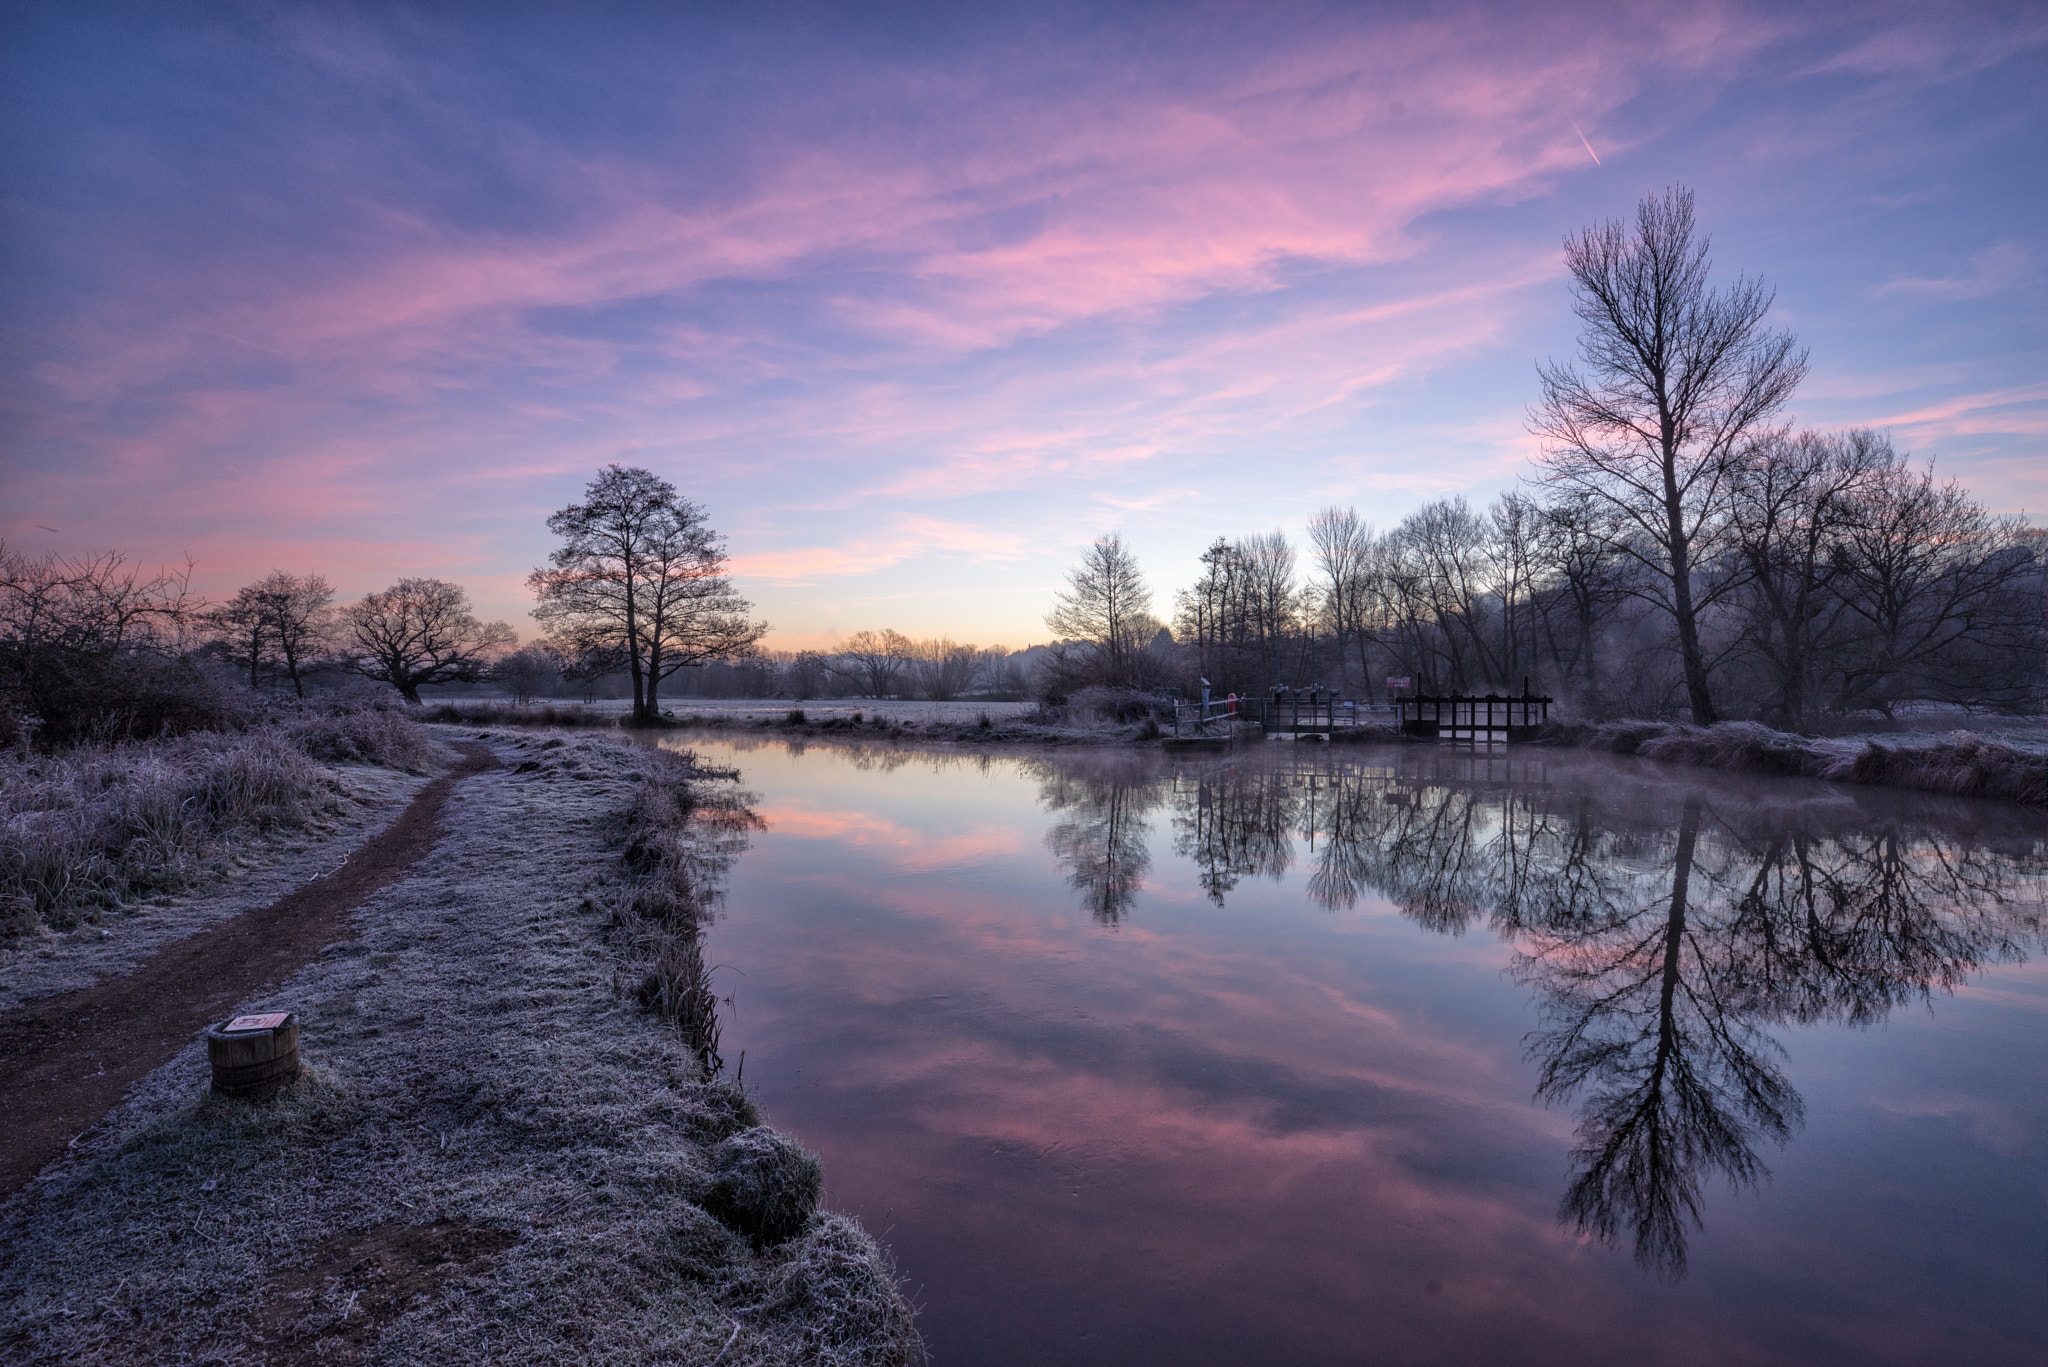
column 1588, row 146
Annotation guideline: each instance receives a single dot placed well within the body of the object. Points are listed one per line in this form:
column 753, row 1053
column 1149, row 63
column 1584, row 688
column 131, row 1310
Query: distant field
column 816, row 709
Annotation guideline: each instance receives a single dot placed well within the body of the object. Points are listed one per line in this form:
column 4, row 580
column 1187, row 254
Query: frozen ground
column 521, row 1150
column 816, row 709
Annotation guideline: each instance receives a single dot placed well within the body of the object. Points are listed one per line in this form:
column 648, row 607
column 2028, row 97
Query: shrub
column 764, row 1185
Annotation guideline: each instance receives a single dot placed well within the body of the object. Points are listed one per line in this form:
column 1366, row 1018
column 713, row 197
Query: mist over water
column 1410, row 1055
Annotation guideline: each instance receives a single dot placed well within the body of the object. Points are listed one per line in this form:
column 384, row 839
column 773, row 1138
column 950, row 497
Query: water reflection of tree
column 1666, row 930
column 1665, row 937
column 1100, row 832
column 1236, row 822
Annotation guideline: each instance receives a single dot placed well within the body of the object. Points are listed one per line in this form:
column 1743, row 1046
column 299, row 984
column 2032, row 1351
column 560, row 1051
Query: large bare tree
column 641, row 571
column 1675, row 380
column 944, row 669
column 1106, row 612
column 420, row 632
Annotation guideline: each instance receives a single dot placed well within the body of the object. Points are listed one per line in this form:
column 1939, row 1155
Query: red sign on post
column 1405, row 681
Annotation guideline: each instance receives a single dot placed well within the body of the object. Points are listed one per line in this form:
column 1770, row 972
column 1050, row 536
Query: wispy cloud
column 911, row 307
column 2003, row 267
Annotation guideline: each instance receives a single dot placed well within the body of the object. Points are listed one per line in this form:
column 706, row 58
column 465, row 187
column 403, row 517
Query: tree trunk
column 652, row 717
column 1681, row 605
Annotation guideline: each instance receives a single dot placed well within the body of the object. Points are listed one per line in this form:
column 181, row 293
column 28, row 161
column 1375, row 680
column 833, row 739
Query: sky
column 917, row 300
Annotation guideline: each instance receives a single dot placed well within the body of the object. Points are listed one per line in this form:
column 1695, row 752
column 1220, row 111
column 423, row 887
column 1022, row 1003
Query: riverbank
column 496, row 1154
column 1960, row 764
column 2009, row 766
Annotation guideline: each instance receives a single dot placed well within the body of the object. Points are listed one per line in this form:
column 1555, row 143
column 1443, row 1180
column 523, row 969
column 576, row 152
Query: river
column 1305, row 1054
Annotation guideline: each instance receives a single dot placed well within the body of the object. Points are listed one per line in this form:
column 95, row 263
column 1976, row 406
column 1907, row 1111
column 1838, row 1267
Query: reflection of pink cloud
column 1118, row 1162
column 921, row 848
column 1313, row 1133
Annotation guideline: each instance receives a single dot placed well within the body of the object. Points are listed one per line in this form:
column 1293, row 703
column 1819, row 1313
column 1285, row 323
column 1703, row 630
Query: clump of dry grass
column 88, row 828
column 1966, row 765
column 764, row 1185
column 377, row 734
column 838, row 1293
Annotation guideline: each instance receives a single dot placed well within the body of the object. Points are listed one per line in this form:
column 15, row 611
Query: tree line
column 95, row 647
column 1678, row 549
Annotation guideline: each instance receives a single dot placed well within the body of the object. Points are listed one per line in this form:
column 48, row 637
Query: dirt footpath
column 495, row 1157
column 66, row 1060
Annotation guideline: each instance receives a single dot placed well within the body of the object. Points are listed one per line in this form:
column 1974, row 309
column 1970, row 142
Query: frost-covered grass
column 682, row 830
column 502, row 712
column 1961, row 764
column 474, row 1065
column 92, row 827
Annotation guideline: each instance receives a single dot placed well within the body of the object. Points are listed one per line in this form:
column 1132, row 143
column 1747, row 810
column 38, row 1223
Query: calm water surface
column 1313, row 1056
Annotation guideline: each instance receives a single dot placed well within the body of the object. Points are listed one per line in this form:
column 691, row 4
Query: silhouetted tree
column 872, row 661
column 90, row 645
column 1104, row 616
column 641, row 572
column 943, row 669
column 282, row 622
column 420, row 632
column 1678, row 380
column 528, row 674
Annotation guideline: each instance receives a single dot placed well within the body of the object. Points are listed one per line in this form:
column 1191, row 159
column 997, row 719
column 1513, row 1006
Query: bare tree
column 242, row 633
column 1794, row 500
column 584, row 664
column 300, row 609
column 1210, row 617
column 1452, row 569
column 807, row 674
column 1576, row 548
column 420, row 632
column 944, row 670
column 641, row 572
column 873, row 660
column 1273, row 599
column 82, row 641
column 1934, row 582
column 1106, row 612
column 527, row 674
column 1343, row 557
column 1677, row 381
column 280, row 622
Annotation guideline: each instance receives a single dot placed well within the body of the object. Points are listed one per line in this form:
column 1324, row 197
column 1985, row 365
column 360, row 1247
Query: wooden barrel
column 253, row 1056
